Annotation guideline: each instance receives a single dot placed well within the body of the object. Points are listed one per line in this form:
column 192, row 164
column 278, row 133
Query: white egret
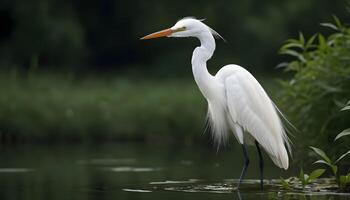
column 236, row 101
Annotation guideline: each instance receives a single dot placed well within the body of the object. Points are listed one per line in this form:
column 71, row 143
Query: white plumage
column 236, row 101
column 249, row 113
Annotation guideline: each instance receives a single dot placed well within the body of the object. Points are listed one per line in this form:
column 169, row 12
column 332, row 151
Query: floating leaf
column 343, row 133
column 316, row 173
column 322, row 154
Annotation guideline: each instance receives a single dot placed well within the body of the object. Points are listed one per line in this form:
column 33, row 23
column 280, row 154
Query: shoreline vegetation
column 56, row 107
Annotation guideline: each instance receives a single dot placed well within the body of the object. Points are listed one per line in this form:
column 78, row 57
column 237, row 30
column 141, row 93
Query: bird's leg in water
column 245, row 165
column 261, row 165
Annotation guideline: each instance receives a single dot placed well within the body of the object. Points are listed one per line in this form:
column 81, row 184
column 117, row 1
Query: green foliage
column 320, row 84
column 285, row 184
column 342, row 134
column 347, row 107
column 305, row 179
column 57, row 107
column 343, row 180
column 325, row 160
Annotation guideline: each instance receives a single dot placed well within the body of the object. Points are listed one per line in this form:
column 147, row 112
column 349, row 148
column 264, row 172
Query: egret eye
column 180, row 29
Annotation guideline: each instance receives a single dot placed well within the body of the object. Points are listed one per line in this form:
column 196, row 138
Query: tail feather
column 281, row 159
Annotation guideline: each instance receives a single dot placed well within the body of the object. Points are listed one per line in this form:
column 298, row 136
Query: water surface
column 136, row 171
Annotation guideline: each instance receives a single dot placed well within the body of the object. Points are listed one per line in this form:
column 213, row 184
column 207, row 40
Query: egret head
column 186, row 27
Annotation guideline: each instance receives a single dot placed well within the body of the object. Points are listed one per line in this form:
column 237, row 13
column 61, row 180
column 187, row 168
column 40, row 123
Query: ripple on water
column 190, row 185
column 174, row 182
column 108, row 161
column 132, row 169
column 16, row 170
column 136, row 190
column 229, row 186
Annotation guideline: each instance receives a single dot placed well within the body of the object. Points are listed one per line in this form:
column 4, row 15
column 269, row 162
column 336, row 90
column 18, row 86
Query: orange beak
column 163, row 33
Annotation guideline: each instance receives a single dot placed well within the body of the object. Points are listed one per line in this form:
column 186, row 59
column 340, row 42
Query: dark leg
column 246, row 163
column 239, row 195
column 261, row 165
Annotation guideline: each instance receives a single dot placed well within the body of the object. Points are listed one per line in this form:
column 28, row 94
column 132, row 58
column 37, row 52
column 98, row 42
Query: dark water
column 134, row 171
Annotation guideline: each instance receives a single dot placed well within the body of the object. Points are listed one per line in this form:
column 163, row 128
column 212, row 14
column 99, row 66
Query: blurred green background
column 76, row 71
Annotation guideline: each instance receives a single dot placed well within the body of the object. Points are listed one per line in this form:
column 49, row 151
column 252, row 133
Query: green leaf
column 334, row 170
column 322, row 162
column 292, row 41
column 328, row 87
column 310, row 41
column 293, row 53
column 342, row 156
column 301, row 38
column 322, row 154
column 343, row 180
column 330, row 25
column 322, row 42
column 338, row 103
column 282, row 65
column 290, row 52
column 316, row 173
column 345, row 108
column 306, row 179
column 337, row 22
column 343, row 133
column 285, row 184
column 289, row 45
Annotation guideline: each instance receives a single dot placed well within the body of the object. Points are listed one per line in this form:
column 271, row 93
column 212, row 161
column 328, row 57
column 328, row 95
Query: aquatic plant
column 303, row 179
column 343, row 181
column 306, row 179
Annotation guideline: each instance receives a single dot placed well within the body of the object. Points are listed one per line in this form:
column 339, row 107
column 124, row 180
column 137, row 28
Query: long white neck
column 199, row 62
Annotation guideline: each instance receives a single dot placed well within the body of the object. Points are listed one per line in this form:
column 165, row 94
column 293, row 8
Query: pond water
column 136, row 171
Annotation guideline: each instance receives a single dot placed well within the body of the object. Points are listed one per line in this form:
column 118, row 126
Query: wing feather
column 250, row 107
